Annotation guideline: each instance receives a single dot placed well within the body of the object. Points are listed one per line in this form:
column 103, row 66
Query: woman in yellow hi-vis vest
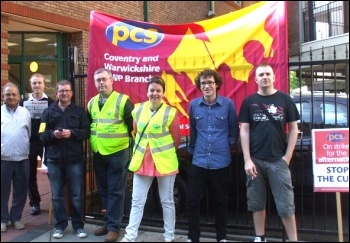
column 157, row 132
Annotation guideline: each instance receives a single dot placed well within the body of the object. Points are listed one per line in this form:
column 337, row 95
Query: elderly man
column 15, row 134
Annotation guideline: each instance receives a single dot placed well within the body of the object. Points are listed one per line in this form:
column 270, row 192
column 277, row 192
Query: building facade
column 319, row 34
column 35, row 35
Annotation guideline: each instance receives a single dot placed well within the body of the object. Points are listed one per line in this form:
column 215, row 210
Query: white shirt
column 15, row 133
column 31, row 98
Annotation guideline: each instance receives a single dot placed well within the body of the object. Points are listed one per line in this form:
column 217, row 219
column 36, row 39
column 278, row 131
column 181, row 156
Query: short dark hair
column 63, row 82
column 156, row 80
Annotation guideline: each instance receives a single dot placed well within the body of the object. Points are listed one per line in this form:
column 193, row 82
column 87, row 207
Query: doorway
column 35, row 53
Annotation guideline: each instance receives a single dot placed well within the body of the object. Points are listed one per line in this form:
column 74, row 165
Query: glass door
column 35, row 53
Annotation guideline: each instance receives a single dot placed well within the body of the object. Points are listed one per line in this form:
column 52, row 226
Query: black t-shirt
column 265, row 142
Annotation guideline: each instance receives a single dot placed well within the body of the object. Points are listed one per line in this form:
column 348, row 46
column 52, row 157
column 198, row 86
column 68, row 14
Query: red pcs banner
column 233, row 44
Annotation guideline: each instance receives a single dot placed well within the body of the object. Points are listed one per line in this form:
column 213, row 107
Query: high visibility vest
column 109, row 133
column 157, row 136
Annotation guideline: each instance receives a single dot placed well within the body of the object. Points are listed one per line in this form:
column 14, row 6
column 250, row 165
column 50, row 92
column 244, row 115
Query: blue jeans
column 111, row 182
column 17, row 174
column 73, row 173
column 199, row 181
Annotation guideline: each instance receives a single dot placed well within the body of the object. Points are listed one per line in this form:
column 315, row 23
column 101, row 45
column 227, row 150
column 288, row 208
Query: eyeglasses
column 9, row 95
column 210, row 83
column 101, row 79
column 64, row 91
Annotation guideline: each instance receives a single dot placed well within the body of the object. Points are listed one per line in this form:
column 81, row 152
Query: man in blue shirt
column 213, row 130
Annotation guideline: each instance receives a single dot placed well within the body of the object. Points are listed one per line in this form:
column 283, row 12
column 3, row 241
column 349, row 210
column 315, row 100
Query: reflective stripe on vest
column 157, row 136
column 109, row 133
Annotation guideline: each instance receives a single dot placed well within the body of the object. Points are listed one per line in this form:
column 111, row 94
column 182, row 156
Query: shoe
column 35, row 210
column 101, row 230
column 19, row 225
column 188, row 240
column 81, row 233
column 111, row 236
column 258, row 239
column 58, row 234
column 125, row 240
column 223, row 240
column 3, row 227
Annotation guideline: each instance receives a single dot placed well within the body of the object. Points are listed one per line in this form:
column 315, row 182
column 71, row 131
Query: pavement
column 146, row 234
column 39, row 228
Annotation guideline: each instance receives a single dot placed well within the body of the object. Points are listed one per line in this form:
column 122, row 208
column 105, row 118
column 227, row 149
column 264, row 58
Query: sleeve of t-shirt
column 244, row 112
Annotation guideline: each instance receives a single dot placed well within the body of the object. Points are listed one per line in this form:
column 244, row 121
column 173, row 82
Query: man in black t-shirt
column 264, row 117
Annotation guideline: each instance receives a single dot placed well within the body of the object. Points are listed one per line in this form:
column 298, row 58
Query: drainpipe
column 145, row 11
column 211, row 12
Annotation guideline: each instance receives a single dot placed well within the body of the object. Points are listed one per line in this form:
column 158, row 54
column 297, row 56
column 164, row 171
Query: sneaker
column 258, row 239
column 19, row 225
column 58, row 234
column 125, row 240
column 35, row 210
column 3, row 227
column 81, row 233
column 188, row 240
column 223, row 240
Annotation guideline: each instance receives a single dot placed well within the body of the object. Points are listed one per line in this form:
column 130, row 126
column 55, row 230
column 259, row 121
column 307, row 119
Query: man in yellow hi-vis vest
column 111, row 126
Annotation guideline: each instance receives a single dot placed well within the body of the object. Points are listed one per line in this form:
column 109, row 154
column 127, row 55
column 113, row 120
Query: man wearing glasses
column 111, row 127
column 213, row 130
column 64, row 127
column 15, row 134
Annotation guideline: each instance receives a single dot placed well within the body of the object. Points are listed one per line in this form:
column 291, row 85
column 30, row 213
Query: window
column 330, row 113
column 45, row 44
column 304, row 111
column 238, row 3
column 327, row 19
column 304, row 124
column 41, row 49
column 15, row 44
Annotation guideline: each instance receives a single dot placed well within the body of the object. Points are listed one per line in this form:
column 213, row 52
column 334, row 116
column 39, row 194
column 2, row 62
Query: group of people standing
column 111, row 120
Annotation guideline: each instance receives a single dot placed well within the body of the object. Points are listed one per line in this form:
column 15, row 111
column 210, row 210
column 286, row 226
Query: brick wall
column 76, row 14
column 4, row 51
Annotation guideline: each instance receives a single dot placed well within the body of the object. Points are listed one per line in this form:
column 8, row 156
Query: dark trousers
column 36, row 149
column 15, row 174
column 111, row 182
column 199, row 181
